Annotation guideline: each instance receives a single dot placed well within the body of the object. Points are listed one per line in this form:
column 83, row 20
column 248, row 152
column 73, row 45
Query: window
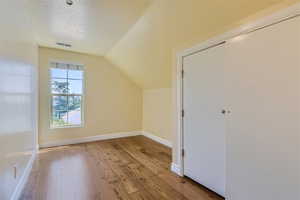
column 66, row 95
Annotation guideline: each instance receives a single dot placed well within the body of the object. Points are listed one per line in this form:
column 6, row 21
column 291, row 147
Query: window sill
column 64, row 127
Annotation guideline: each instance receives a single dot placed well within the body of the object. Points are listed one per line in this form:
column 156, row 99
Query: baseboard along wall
column 106, row 137
column 157, row 139
column 90, row 139
column 23, row 179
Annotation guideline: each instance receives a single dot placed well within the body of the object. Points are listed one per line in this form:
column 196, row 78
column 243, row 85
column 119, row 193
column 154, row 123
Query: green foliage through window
column 66, row 104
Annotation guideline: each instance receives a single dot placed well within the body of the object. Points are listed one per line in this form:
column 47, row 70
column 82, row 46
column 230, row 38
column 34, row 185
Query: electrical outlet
column 15, row 172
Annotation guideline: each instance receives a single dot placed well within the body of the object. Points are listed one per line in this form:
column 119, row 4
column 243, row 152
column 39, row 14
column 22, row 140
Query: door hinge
column 182, row 73
column 182, row 113
column 182, row 152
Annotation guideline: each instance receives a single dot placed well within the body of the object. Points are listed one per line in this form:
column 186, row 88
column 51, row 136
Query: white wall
column 18, row 59
column 157, row 112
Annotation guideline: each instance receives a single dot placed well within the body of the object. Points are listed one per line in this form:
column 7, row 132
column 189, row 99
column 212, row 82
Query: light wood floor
column 134, row 168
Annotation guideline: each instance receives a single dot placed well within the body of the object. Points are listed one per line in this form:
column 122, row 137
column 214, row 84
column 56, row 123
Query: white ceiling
column 90, row 26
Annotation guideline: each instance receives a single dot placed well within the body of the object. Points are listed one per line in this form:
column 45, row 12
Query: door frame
column 275, row 18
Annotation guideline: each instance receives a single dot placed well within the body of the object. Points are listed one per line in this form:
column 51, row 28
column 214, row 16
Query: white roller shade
column 59, row 65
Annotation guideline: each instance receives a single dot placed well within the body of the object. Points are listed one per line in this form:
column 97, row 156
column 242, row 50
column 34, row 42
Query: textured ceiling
column 90, row 26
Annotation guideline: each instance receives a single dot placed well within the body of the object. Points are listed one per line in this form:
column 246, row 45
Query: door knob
column 224, row 112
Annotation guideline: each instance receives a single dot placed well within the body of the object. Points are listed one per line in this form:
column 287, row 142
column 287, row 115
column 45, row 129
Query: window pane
column 59, row 119
column 58, row 73
column 66, row 89
column 75, row 86
column 59, row 111
column 59, row 103
column 59, row 86
column 75, row 74
column 74, row 107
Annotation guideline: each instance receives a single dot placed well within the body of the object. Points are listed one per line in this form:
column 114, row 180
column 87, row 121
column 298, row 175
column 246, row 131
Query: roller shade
column 68, row 66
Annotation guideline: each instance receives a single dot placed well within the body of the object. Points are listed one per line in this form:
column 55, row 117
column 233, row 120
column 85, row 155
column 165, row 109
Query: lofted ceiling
column 147, row 52
column 141, row 37
column 90, row 26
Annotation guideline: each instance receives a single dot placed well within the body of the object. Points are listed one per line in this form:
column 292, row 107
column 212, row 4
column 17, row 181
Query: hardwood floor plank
column 137, row 153
column 142, row 195
column 188, row 188
column 117, row 166
column 134, row 168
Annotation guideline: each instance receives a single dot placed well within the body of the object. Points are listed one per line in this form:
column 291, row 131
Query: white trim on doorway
column 277, row 17
column 176, row 169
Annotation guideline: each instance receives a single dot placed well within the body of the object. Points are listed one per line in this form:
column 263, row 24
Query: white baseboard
column 23, row 179
column 176, row 169
column 157, row 139
column 106, row 137
column 90, row 139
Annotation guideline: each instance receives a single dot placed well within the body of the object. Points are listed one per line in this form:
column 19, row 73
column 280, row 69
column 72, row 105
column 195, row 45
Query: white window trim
column 50, row 95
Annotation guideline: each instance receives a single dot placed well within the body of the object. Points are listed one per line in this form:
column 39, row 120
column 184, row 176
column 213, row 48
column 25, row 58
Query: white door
column 204, row 122
column 263, row 88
